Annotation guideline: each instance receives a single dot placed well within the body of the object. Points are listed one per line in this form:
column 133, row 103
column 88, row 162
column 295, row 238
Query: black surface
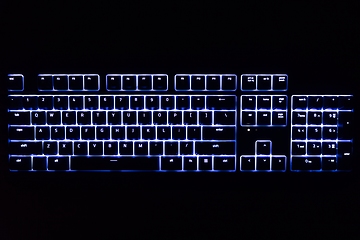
column 316, row 44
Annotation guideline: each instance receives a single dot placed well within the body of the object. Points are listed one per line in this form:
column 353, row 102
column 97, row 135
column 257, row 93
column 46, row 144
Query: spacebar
column 114, row 163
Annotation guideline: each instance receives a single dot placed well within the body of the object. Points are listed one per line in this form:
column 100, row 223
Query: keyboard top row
column 153, row 82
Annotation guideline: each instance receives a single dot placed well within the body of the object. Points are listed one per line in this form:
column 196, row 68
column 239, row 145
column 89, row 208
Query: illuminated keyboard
column 181, row 123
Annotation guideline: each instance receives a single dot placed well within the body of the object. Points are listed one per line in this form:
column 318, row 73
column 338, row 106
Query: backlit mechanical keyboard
column 180, row 123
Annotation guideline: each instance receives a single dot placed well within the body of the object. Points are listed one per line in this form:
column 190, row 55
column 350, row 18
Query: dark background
column 316, row 44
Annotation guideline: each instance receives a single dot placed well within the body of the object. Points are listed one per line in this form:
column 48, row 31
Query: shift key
column 219, row 133
column 215, row 148
column 25, row 148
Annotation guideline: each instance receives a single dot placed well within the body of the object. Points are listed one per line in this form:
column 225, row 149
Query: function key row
column 66, row 82
column 200, row 82
column 341, row 102
column 264, row 82
column 118, row 82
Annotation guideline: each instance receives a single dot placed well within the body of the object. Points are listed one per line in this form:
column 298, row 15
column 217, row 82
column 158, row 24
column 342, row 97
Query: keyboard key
column 182, row 103
column 329, row 148
column 248, row 118
column 198, row 82
column 148, row 133
column 330, row 133
column 61, row 103
column 129, row 82
column 113, row 82
column 133, row 133
column 190, row 117
column 111, row 148
column 190, row 163
column 224, row 163
column 167, row 102
column 80, row 148
column 38, row 118
column 331, row 102
column 264, row 102
column 216, row 148
column 279, row 118
column 42, row 133
column 186, row 148
column 280, row 82
column 57, row 133
column 278, row 163
column 163, row 133
column 315, row 102
column 194, row 133
column 20, row 163
column 156, row 148
column 114, row 118
column 39, row 163
column 205, row 163
column 346, row 125
column 73, row 133
column 264, row 118
column 263, row 147
column 248, row 102
column 50, row 148
column 15, row 103
column 314, row 117
column 91, row 102
column 346, row 102
column 279, row 103
column 144, row 117
column 314, row 133
column 83, row 118
column 126, row 148
column 228, row 82
column 175, row 117
column 117, row 133
column 76, row 103
column 314, row 148
column 345, row 153
column 99, row 117
column 45, row 82
column 264, row 82
column 21, row 133
column 197, row 102
column 114, row 163
column 129, row 117
column 60, row 82
column 299, row 133
column 221, row 102
column 160, row 82
column 106, row 102
column 19, row 118
column 171, row 148
column 262, row 163
column 144, row 82
column 218, row 133
column 136, row 102
column 247, row 163
column 102, row 133
column 141, row 148
column 91, row 82
column 96, row 148
column 121, row 102
column 248, row 82
column 15, row 82
column 329, row 163
column 58, row 163
column 299, row 118
column 152, row 102
column 76, row 82
column 299, row 102
column 306, row 163
column 182, row 82
column 205, row 117
column 224, row 118
column 178, row 133
column 69, row 118
column 25, row 148
column 160, row 117
column 298, row 148
column 30, row 103
column 213, row 82
column 53, row 118
column 45, row 102
column 330, row 118
column 171, row 163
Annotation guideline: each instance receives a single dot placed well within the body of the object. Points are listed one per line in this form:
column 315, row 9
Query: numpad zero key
column 175, row 123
